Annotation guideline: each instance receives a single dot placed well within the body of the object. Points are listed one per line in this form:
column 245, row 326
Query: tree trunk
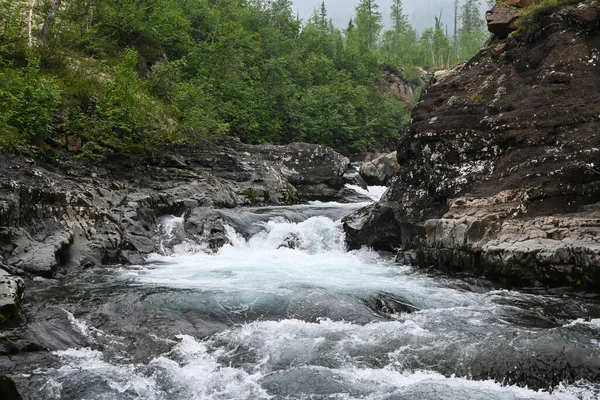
column 47, row 28
column 30, row 22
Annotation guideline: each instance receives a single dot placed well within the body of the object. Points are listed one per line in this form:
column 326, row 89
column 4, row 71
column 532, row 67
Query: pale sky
column 420, row 12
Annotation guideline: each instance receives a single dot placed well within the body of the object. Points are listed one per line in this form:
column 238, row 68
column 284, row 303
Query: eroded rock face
column 499, row 167
column 56, row 214
column 399, row 87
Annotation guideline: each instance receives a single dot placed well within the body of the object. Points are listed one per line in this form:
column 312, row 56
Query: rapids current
column 288, row 313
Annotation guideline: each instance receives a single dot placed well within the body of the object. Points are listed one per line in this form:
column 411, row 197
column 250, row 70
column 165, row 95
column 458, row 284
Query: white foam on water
column 592, row 323
column 374, row 192
column 263, row 265
column 303, row 359
column 197, row 370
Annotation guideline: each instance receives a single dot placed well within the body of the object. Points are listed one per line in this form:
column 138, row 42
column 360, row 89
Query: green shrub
column 29, row 103
column 530, row 18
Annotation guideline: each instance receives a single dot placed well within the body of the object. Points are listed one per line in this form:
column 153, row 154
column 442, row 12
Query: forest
column 131, row 75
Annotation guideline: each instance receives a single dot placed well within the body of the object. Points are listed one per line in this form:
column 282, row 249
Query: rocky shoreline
column 61, row 214
column 499, row 169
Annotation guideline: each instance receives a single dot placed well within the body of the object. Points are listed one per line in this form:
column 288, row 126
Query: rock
column 59, row 214
column 41, row 258
column 520, row 3
column 403, row 90
column 499, row 166
column 74, row 143
column 291, row 241
column 352, row 177
column 8, row 390
column 501, row 20
column 207, row 227
column 379, row 171
column 11, row 296
column 347, row 195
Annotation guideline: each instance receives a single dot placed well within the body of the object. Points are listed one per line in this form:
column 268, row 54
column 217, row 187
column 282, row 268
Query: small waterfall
column 171, row 233
column 373, row 192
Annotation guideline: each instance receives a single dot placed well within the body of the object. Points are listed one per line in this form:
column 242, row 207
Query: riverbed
column 283, row 311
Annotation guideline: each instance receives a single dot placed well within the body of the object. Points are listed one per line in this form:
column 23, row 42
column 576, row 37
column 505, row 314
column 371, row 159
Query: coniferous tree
column 368, row 24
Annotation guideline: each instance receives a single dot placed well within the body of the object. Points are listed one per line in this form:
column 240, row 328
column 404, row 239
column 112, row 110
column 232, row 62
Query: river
column 288, row 313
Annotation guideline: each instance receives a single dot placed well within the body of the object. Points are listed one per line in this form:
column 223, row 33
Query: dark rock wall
column 500, row 166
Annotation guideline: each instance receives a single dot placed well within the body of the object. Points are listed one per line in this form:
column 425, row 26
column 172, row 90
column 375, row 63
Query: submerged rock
column 499, row 168
column 291, row 241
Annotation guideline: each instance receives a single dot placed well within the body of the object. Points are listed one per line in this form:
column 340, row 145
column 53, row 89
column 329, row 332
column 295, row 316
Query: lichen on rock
column 498, row 167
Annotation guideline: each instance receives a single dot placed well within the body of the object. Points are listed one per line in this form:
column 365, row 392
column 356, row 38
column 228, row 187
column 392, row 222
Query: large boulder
column 500, row 163
column 501, row 20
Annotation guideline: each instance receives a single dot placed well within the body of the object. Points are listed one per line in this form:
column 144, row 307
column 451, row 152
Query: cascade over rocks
column 499, row 167
column 56, row 214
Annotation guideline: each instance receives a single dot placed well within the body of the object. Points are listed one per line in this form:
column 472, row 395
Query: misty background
column 420, row 12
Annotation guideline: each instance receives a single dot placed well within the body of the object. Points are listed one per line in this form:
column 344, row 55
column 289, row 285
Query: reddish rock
column 501, row 20
column 401, row 89
column 73, row 143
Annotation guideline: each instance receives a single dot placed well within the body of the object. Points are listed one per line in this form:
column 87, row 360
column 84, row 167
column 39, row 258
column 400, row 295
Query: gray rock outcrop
column 499, row 168
column 56, row 214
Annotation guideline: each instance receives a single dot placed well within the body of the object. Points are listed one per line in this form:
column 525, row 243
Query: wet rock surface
column 11, row 296
column 499, row 168
column 58, row 213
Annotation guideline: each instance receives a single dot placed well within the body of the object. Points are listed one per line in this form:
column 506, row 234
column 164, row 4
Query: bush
column 530, row 18
column 29, row 104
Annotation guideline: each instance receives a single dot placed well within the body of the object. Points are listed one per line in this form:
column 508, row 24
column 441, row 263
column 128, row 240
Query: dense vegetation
column 125, row 75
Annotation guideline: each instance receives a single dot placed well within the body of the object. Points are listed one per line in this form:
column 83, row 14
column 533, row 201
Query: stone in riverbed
column 11, row 295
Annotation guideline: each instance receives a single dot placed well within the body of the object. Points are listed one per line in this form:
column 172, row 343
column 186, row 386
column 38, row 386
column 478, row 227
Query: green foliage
column 128, row 75
column 91, row 152
column 29, row 103
column 530, row 18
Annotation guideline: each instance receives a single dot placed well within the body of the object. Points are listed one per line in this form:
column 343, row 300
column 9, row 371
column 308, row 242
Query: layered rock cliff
column 500, row 167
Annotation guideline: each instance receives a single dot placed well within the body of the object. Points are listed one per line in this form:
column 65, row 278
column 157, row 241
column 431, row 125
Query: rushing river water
column 289, row 314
